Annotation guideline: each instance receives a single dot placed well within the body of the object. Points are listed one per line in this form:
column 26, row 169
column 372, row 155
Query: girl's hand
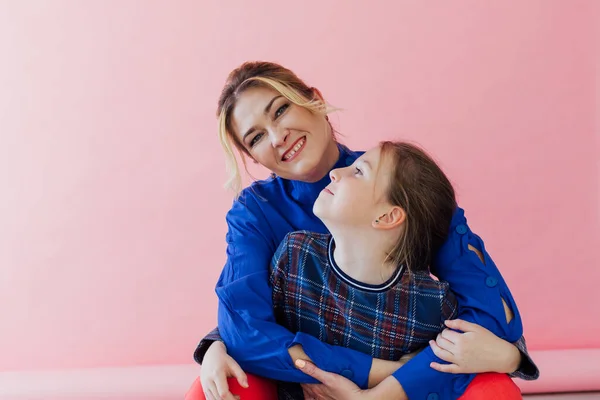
column 474, row 351
column 217, row 366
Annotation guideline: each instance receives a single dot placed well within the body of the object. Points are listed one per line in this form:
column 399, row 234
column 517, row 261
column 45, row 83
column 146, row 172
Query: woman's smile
column 294, row 150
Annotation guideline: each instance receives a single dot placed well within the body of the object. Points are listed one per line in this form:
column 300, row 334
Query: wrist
column 381, row 369
column 512, row 360
column 217, row 344
column 389, row 388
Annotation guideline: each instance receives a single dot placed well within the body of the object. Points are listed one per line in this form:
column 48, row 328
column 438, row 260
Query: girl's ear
column 390, row 220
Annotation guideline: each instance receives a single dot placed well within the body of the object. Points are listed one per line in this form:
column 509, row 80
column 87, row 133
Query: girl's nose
column 334, row 175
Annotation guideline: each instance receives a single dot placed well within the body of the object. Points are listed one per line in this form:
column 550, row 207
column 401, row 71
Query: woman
column 271, row 116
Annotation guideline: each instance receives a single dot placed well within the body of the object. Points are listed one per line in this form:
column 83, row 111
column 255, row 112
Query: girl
column 366, row 285
column 271, row 116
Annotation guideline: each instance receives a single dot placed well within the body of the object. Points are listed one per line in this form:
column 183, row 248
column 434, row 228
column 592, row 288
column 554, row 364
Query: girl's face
column 357, row 194
column 290, row 140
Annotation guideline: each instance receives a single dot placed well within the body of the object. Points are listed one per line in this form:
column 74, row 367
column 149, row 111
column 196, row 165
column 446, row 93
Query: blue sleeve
column 479, row 288
column 246, row 320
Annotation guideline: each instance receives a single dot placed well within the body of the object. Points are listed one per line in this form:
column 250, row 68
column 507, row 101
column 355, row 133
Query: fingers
column 222, row 387
column 444, row 343
column 238, row 373
column 462, row 325
column 310, row 369
column 210, row 391
column 441, row 353
column 451, row 336
column 449, row 368
column 308, row 391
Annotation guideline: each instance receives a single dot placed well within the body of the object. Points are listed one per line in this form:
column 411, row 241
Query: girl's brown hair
column 422, row 190
column 258, row 74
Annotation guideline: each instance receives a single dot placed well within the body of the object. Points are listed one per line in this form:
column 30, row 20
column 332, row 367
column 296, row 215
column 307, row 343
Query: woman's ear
column 317, row 93
column 391, row 219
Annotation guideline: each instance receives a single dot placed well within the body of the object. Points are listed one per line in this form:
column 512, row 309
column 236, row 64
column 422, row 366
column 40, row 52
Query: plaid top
column 311, row 294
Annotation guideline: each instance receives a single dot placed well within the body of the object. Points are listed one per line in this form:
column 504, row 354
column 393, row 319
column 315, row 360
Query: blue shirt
column 259, row 220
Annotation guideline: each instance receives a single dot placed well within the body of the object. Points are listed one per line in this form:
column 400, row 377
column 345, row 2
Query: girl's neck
column 362, row 255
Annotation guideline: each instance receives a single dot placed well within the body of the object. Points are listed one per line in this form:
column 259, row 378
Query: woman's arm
column 479, row 350
column 481, row 293
column 380, row 369
column 246, row 320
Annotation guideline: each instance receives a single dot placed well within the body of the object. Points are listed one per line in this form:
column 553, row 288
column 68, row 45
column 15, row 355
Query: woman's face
column 291, row 141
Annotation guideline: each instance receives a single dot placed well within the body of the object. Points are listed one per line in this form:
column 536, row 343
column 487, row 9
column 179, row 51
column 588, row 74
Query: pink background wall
column 112, row 232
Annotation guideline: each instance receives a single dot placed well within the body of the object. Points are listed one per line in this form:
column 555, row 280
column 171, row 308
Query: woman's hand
column 332, row 386
column 474, row 351
column 217, row 366
column 336, row 387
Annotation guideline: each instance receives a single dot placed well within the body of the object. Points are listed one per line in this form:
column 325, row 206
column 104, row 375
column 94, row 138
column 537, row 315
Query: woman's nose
column 278, row 138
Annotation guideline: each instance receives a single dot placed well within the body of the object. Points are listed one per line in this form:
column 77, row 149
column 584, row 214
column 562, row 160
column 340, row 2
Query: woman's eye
column 357, row 171
column 281, row 110
column 255, row 139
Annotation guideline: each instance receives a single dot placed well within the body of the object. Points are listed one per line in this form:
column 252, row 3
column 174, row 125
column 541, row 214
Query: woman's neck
column 363, row 255
column 328, row 161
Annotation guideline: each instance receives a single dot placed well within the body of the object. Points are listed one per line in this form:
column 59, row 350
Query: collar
column 382, row 287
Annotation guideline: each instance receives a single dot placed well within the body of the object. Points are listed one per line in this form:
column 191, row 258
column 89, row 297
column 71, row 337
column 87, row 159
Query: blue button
column 462, row 229
column 349, row 161
column 433, row 396
column 347, row 374
column 490, row 281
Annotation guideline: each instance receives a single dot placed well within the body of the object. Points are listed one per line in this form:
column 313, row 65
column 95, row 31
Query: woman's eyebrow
column 268, row 107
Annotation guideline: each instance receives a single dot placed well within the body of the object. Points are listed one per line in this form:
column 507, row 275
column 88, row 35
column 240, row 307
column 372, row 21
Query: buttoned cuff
column 421, row 382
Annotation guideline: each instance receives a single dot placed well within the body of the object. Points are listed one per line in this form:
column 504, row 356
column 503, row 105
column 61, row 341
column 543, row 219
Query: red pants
column 484, row 387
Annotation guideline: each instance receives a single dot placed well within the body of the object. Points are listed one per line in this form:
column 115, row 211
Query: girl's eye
column 281, row 110
column 255, row 139
column 357, row 171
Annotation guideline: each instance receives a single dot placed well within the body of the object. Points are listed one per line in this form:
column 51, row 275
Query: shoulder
column 255, row 201
column 262, row 191
column 424, row 286
column 305, row 240
column 297, row 247
column 353, row 155
column 300, row 253
column 436, row 301
column 301, row 245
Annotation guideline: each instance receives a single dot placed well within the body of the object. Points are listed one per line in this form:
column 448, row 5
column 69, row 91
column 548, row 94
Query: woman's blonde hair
column 258, row 74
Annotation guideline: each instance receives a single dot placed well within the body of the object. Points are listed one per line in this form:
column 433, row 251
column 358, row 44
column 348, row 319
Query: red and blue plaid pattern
column 312, row 295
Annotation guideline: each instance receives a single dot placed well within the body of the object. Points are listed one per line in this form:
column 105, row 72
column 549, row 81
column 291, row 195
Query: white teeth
column 291, row 153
